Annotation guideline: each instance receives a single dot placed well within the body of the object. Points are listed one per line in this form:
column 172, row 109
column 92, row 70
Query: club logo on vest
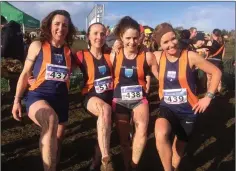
column 102, row 69
column 171, row 75
column 58, row 58
column 129, row 72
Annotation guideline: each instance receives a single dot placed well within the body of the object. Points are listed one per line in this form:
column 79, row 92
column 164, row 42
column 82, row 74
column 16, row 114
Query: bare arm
column 151, row 60
column 27, row 70
column 223, row 54
column 201, row 63
column 23, row 79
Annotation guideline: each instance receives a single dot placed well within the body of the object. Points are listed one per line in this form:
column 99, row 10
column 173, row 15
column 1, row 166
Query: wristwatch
column 210, row 95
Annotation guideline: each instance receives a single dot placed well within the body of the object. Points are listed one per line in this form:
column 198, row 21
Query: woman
column 47, row 98
column 98, row 90
column 129, row 99
column 179, row 104
column 217, row 51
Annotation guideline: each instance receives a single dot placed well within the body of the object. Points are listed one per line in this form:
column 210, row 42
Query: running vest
column 218, row 50
column 177, row 84
column 130, row 76
column 97, row 73
column 52, row 70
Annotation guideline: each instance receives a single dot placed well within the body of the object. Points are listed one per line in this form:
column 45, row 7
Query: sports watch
column 210, row 95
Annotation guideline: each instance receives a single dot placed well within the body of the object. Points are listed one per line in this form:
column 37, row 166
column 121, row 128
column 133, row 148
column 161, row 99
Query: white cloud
column 39, row 10
column 206, row 18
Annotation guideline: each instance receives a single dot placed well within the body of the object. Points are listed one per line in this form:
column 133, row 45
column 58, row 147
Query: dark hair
column 3, row 20
column 45, row 27
column 89, row 28
column 185, row 34
column 218, row 33
column 124, row 24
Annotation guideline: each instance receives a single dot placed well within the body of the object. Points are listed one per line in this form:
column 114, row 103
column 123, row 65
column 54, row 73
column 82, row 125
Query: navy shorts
column 59, row 103
column 181, row 125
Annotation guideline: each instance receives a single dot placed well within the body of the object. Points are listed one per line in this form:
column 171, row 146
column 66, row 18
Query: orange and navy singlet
column 52, row 73
column 97, row 72
column 130, row 76
column 177, row 84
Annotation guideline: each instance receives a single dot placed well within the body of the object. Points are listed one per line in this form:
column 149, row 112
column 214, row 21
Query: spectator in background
column 111, row 38
column 3, row 21
column 12, row 40
column 108, row 31
column 184, row 39
column 27, row 41
column 193, row 32
column 147, row 38
column 216, row 53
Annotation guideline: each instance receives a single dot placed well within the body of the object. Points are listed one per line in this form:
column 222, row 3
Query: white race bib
column 56, row 72
column 103, row 84
column 131, row 92
column 175, row 96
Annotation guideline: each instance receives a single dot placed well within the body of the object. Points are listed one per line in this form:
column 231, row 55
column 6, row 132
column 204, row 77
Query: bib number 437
column 56, row 73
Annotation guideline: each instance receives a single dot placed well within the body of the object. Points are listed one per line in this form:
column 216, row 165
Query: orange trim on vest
column 107, row 58
column 218, row 51
column 162, row 65
column 47, row 60
column 119, row 60
column 183, row 62
column 67, row 54
column 90, row 71
column 140, row 71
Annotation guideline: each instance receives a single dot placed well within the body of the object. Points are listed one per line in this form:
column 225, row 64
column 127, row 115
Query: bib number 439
column 175, row 96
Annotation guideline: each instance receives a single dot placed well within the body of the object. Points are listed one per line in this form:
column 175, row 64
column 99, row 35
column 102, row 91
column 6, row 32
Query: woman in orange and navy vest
column 217, row 51
column 98, row 89
column 131, row 66
column 47, row 102
column 179, row 104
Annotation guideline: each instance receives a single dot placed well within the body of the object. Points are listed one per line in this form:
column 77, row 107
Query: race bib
column 103, row 84
column 56, row 72
column 131, row 92
column 175, row 96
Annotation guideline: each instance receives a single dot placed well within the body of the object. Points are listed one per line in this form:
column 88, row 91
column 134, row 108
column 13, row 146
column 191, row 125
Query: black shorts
column 106, row 97
column 181, row 125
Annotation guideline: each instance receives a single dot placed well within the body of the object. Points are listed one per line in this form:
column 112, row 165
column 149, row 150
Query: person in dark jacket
column 12, row 41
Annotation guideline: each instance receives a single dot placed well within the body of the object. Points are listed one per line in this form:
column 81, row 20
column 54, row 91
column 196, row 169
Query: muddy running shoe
column 107, row 164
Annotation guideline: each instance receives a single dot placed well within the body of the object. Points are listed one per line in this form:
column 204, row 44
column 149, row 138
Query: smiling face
column 59, row 28
column 169, row 43
column 130, row 39
column 97, row 35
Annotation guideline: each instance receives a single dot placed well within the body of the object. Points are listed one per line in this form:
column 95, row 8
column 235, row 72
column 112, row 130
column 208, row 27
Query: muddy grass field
column 212, row 147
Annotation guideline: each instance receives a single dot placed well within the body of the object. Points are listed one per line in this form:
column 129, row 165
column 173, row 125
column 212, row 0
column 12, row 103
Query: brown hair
column 124, row 24
column 45, row 27
column 89, row 29
column 160, row 30
column 192, row 28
